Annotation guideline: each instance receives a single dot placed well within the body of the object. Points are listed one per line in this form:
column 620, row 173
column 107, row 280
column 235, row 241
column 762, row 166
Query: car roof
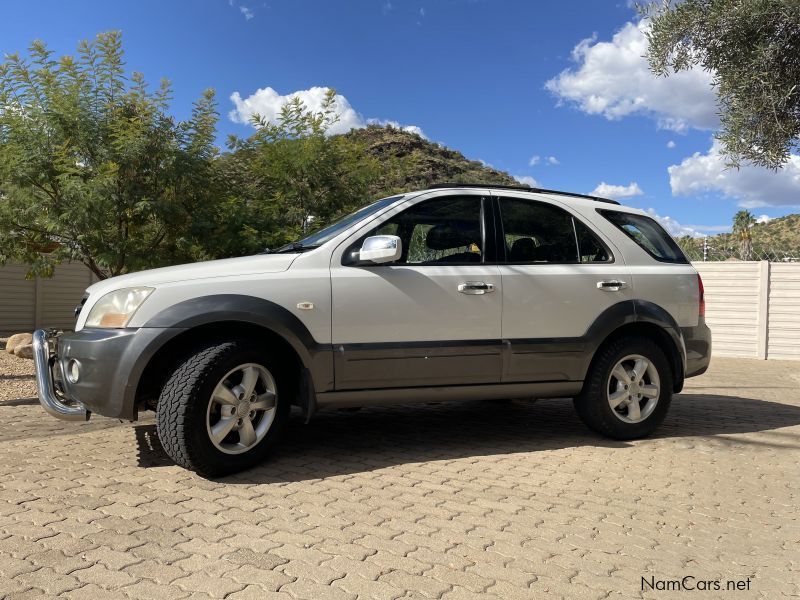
column 562, row 195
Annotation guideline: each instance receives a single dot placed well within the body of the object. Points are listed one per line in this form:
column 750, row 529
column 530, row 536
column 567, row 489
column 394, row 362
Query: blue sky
column 501, row 81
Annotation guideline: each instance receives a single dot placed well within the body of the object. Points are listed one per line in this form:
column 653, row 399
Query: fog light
column 73, row 371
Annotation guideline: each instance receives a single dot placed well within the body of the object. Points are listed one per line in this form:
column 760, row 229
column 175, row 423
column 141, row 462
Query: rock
column 18, row 339
column 24, row 351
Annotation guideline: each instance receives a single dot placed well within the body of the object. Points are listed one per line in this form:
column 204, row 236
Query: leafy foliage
column 753, row 49
column 303, row 177
column 92, row 168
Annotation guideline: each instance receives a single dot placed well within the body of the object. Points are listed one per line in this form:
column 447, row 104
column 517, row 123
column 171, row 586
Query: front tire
column 223, row 408
column 628, row 389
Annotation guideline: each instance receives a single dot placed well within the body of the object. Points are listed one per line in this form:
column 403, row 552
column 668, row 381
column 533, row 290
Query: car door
column 432, row 317
column 559, row 276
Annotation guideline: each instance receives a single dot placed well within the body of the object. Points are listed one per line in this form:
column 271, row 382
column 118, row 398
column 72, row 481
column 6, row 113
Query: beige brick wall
column 27, row 304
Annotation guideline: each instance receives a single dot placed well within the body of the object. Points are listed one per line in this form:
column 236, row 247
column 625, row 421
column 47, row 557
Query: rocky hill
column 409, row 161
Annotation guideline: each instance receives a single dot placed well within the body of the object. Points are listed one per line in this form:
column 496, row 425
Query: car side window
column 536, row 232
column 440, row 231
column 648, row 234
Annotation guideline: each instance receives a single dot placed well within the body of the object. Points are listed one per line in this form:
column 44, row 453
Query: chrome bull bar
column 50, row 400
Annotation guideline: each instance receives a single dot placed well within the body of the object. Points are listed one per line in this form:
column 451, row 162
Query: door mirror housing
column 380, row 249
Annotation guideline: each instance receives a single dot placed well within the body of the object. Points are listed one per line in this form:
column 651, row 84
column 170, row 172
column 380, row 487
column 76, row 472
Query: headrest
column 523, row 249
column 452, row 235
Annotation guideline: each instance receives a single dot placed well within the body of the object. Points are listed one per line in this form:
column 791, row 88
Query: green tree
column 300, row 178
column 752, row 47
column 93, row 169
column 743, row 222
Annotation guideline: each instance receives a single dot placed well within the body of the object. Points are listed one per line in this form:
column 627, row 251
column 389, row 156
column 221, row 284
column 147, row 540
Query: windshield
column 331, row 231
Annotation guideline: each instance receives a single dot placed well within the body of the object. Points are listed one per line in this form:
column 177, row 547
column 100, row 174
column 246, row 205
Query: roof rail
column 522, row 188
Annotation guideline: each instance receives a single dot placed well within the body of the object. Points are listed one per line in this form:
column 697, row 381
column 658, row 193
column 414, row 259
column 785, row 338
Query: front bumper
column 48, row 381
column 110, row 363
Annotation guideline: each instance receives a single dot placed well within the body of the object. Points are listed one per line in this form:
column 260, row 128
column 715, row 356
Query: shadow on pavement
column 20, row 402
column 338, row 443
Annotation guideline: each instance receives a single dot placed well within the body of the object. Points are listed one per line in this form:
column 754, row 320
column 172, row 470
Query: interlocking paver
column 453, row 501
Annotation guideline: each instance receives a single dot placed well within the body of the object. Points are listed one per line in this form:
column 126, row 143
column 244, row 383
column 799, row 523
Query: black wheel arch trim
column 641, row 311
column 207, row 310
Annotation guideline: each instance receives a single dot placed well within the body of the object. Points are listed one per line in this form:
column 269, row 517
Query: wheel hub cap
column 241, row 409
column 633, row 388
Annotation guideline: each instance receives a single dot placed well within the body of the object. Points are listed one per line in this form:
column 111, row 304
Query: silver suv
column 458, row 292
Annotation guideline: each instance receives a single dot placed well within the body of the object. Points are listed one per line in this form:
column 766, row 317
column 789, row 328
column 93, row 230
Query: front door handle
column 613, row 285
column 475, row 287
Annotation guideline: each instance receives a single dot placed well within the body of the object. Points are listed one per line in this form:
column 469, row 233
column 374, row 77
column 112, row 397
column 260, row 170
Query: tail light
column 702, row 308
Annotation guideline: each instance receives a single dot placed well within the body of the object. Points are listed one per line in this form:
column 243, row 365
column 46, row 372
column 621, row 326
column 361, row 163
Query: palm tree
column 743, row 221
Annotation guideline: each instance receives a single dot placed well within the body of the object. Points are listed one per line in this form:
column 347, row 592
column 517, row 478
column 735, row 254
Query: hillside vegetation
column 778, row 239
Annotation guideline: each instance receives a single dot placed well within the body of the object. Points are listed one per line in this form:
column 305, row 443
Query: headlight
column 116, row 309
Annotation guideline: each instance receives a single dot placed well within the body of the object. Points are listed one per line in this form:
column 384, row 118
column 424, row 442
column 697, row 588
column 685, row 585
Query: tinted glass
column 331, row 231
column 648, row 234
column 441, row 231
column 590, row 249
column 536, row 232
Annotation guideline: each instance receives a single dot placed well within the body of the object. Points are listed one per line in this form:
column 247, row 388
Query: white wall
column 783, row 331
column 753, row 308
column 732, row 306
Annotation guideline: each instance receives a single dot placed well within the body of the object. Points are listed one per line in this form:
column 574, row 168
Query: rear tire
column 628, row 389
column 223, row 408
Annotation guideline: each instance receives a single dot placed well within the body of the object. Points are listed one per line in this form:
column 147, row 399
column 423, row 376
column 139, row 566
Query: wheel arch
column 221, row 317
column 642, row 319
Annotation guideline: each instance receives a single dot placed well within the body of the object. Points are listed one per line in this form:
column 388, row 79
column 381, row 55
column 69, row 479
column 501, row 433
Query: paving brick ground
column 473, row 500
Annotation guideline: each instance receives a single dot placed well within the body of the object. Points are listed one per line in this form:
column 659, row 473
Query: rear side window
column 648, row 234
column 536, row 232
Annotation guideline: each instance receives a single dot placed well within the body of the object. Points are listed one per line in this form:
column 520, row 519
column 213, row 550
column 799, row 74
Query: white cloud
column 267, row 103
column 613, row 79
column 247, row 12
column 421, row 12
column 526, row 180
column 607, row 190
column 534, row 160
column 552, row 160
column 764, row 219
column 752, row 186
column 670, row 144
column 387, row 7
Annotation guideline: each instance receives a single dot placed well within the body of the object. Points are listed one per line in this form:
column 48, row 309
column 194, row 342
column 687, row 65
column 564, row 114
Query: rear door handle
column 613, row 285
column 475, row 287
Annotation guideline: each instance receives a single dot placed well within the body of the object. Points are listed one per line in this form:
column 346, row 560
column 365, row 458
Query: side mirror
column 381, row 249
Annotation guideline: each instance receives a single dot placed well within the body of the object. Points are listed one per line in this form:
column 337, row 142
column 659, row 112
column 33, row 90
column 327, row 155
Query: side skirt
column 382, row 397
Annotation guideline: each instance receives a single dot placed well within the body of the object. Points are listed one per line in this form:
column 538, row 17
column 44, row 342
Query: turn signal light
column 112, row 320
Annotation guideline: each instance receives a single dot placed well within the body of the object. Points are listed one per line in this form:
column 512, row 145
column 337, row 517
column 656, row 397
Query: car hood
column 228, row 267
